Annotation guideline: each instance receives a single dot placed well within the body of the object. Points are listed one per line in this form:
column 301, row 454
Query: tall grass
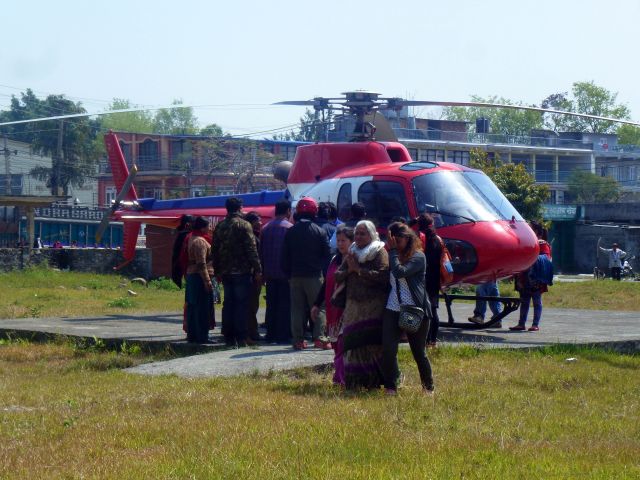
column 495, row 414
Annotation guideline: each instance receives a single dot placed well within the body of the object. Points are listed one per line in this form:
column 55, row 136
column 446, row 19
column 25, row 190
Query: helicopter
column 487, row 238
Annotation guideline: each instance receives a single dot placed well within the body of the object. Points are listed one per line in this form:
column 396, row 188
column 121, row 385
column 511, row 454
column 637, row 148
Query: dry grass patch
column 496, row 414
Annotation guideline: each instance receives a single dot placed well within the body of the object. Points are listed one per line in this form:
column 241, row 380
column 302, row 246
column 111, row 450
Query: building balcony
column 405, row 134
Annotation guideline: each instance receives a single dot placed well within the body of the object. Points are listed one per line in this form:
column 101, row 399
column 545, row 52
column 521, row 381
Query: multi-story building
column 17, row 160
column 174, row 166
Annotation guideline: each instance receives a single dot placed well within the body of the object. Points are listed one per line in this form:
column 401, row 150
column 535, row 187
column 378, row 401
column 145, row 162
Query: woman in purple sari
column 365, row 269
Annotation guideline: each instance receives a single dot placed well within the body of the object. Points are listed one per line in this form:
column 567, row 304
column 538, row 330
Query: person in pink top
column 344, row 239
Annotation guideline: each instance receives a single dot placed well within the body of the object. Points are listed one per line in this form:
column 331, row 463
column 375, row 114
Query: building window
column 181, row 152
column 126, row 152
column 110, row 195
column 459, row 157
column 198, row 191
column 148, row 158
column 157, row 193
column 344, row 200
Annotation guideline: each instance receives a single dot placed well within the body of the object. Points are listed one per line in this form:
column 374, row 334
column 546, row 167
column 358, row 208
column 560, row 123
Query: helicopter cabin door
column 385, row 198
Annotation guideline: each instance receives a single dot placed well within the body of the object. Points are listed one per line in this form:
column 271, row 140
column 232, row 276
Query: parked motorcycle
column 627, row 270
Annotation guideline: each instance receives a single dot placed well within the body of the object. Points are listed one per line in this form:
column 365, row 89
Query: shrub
column 163, row 283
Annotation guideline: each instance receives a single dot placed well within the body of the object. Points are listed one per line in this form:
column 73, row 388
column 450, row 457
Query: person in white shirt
column 615, row 260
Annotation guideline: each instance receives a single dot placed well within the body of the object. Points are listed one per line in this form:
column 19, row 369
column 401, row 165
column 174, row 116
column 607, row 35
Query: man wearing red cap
column 305, row 254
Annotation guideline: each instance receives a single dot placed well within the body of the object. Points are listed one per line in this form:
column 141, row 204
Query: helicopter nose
column 516, row 248
column 487, row 251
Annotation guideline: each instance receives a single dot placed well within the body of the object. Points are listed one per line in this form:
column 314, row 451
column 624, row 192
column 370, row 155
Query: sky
column 238, row 57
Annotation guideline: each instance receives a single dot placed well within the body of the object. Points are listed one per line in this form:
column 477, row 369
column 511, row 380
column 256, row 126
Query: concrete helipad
column 559, row 326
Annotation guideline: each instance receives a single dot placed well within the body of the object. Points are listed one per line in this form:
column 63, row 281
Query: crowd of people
column 336, row 280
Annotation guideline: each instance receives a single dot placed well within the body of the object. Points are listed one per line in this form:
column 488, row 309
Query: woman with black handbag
column 407, row 307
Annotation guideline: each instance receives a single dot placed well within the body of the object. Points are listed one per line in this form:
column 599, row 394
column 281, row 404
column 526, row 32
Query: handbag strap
column 410, row 293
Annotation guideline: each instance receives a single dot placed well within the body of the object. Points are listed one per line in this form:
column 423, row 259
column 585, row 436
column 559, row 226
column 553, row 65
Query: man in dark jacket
column 305, row 254
column 278, row 312
column 236, row 261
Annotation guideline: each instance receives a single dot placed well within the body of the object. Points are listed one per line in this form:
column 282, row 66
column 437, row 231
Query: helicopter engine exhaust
column 281, row 170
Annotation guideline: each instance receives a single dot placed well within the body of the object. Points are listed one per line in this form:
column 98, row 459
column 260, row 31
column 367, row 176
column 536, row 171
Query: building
column 17, row 160
column 177, row 166
column 549, row 156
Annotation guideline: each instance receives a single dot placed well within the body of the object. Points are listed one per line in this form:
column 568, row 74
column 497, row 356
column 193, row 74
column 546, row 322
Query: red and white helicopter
column 486, row 236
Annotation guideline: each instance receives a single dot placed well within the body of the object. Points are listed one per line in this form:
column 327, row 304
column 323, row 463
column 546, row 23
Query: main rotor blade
column 97, row 114
column 104, row 224
column 126, row 186
column 302, row 103
column 515, row 107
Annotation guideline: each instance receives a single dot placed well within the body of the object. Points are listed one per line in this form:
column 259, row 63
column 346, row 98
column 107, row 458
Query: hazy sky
column 257, row 52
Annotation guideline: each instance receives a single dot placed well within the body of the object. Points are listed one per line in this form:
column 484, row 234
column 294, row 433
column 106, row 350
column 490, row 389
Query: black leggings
column 417, row 341
column 432, row 336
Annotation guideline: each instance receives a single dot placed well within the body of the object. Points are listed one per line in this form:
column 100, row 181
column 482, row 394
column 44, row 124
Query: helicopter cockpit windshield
column 461, row 197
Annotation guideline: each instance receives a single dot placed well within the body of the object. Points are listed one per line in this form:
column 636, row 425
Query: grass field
column 72, row 413
column 49, row 293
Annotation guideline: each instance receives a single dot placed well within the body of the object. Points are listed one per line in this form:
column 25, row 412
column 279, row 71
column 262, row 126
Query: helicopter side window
column 383, row 200
column 344, row 201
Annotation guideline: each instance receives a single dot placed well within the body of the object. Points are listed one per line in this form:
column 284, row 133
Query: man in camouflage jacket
column 236, row 262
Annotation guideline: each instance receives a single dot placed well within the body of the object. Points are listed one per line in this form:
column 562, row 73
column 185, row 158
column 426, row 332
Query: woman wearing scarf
column 199, row 290
column 365, row 270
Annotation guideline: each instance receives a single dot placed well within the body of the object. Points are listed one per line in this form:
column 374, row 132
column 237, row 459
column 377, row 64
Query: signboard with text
column 560, row 212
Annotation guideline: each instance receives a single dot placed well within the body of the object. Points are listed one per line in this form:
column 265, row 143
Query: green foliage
column 503, row 121
column 69, row 143
column 163, row 283
column 139, row 122
column 518, row 185
column 587, row 98
column 628, row 135
column 176, row 121
column 212, row 130
column 586, row 187
column 312, row 128
column 130, row 349
column 122, row 302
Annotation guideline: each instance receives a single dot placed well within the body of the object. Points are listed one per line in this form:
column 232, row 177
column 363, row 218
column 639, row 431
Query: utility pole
column 7, row 166
column 55, row 184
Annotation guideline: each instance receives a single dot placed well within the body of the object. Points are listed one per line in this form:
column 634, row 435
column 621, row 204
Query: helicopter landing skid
column 509, row 304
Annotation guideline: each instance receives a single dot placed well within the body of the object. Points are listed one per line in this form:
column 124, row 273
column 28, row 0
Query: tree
column 176, row 121
column 514, row 182
column 138, row 122
column 557, row 101
column 212, row 130
column 312, row 128
column 587, row 187
column 504, row 121
column 240, row 158
column 70, row 143
column 587, row 98
column 628, row 135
